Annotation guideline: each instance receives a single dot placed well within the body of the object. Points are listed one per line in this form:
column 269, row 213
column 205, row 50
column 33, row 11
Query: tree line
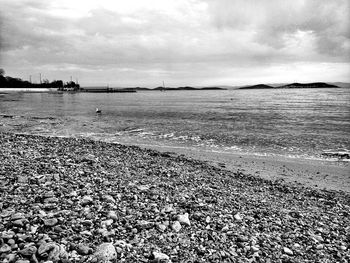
column 10, row 82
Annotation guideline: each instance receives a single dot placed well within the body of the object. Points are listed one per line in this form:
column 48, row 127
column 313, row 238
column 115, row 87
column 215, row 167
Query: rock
column 176, row 226
column 168, row 209
column 108, row 199
column 160, row 257
column 87, row 200
column 52, row 251
column 7, row 234
column 112, row 215
column 242, row 239
column 17, row 216
column 143, row 224
column 19, row 222
column 296, row 245
column 50, row 222
column 11, row 258
column 143, row 188
column 83, row 249
column 319, row 246
column 254, row 248
column 184, row 219
column 238, row 217
column 105, row 252
column 162, row 227
column 106, row 223
column 28, row 251
column 5, row 248
column 287, row 251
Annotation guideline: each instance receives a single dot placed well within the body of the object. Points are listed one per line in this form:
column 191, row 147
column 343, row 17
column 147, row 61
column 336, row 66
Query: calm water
column 296, row 123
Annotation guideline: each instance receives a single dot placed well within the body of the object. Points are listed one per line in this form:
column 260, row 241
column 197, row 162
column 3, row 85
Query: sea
column 293, row 123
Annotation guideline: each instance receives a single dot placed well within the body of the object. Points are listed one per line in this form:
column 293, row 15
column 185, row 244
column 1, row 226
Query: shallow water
column 295, row 123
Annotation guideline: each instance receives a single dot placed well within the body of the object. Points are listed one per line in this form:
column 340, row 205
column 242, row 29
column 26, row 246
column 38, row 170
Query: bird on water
column 98, row 110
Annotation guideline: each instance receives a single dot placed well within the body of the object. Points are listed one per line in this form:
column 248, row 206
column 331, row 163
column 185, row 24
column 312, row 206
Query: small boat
column 98, row 110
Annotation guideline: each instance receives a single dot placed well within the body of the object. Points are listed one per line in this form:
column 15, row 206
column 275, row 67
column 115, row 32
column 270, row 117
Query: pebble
column 112, row 215
column 28, row 251
column 105, row 252
column 320, row 246
column 17, row 216
column 184, row 219
column 254, row 248
column 176, row 226
column 11, row 258
column 5, row 248
column 287, row 251
column 50, row 222
column 161, row 227
column 87, row 200
column 83, row 249
column 160, row 257
column 52, row 251
column 108, row 199
column 238, row 217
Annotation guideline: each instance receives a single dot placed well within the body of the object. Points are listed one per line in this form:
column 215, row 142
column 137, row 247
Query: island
column 292, row 86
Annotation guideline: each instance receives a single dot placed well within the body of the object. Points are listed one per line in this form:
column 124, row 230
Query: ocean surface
column 296, row 123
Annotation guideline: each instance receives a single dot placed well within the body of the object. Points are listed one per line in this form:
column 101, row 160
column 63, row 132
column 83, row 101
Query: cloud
column 275, row 23
column 192, row 40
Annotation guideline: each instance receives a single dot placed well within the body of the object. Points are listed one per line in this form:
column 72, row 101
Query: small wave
column 339, row 154
column 167, row 135
column 134, row 131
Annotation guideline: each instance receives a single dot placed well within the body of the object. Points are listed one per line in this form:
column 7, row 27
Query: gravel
column 74, row 200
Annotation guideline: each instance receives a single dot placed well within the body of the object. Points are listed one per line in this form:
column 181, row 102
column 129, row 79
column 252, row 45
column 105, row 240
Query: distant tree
column 10, row 82
column 72, row 85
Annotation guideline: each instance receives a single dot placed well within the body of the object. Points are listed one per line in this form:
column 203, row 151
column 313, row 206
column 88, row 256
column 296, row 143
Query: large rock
column 105, row 252
column 160, row 257
column 52, row 251
column 183, row 219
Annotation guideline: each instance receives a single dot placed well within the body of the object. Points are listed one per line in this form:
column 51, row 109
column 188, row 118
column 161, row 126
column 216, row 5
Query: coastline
column 89, row 198
column 318, row 174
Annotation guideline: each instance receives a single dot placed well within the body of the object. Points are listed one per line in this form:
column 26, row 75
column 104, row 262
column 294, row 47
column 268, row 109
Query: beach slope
column 65, row 200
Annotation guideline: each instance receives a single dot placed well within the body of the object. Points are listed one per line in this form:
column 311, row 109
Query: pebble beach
column 79, row 200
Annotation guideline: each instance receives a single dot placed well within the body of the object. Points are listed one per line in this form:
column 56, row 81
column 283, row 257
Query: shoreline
column 318, row 174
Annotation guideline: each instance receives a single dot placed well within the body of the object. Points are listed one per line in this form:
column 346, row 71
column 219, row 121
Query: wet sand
column 328, row 175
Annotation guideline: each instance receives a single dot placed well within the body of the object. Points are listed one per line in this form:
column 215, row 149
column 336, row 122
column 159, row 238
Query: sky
column 181, row 42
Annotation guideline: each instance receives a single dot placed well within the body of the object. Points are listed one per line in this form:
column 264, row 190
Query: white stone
column 176, row 226
column 158, row 256
column 238, row 217
column 287, row 251
column 87, row 200
column 184, row 219
column 105, row 252
column 112, row 215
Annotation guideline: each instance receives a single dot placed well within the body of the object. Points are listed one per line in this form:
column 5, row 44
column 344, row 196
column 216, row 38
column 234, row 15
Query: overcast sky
column 181, row 42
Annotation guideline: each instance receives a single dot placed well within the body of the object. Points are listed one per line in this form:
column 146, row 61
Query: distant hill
column 307, row 85
column 190, row 88
column 258, row 86
column 292, row 86
column 341, row 84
